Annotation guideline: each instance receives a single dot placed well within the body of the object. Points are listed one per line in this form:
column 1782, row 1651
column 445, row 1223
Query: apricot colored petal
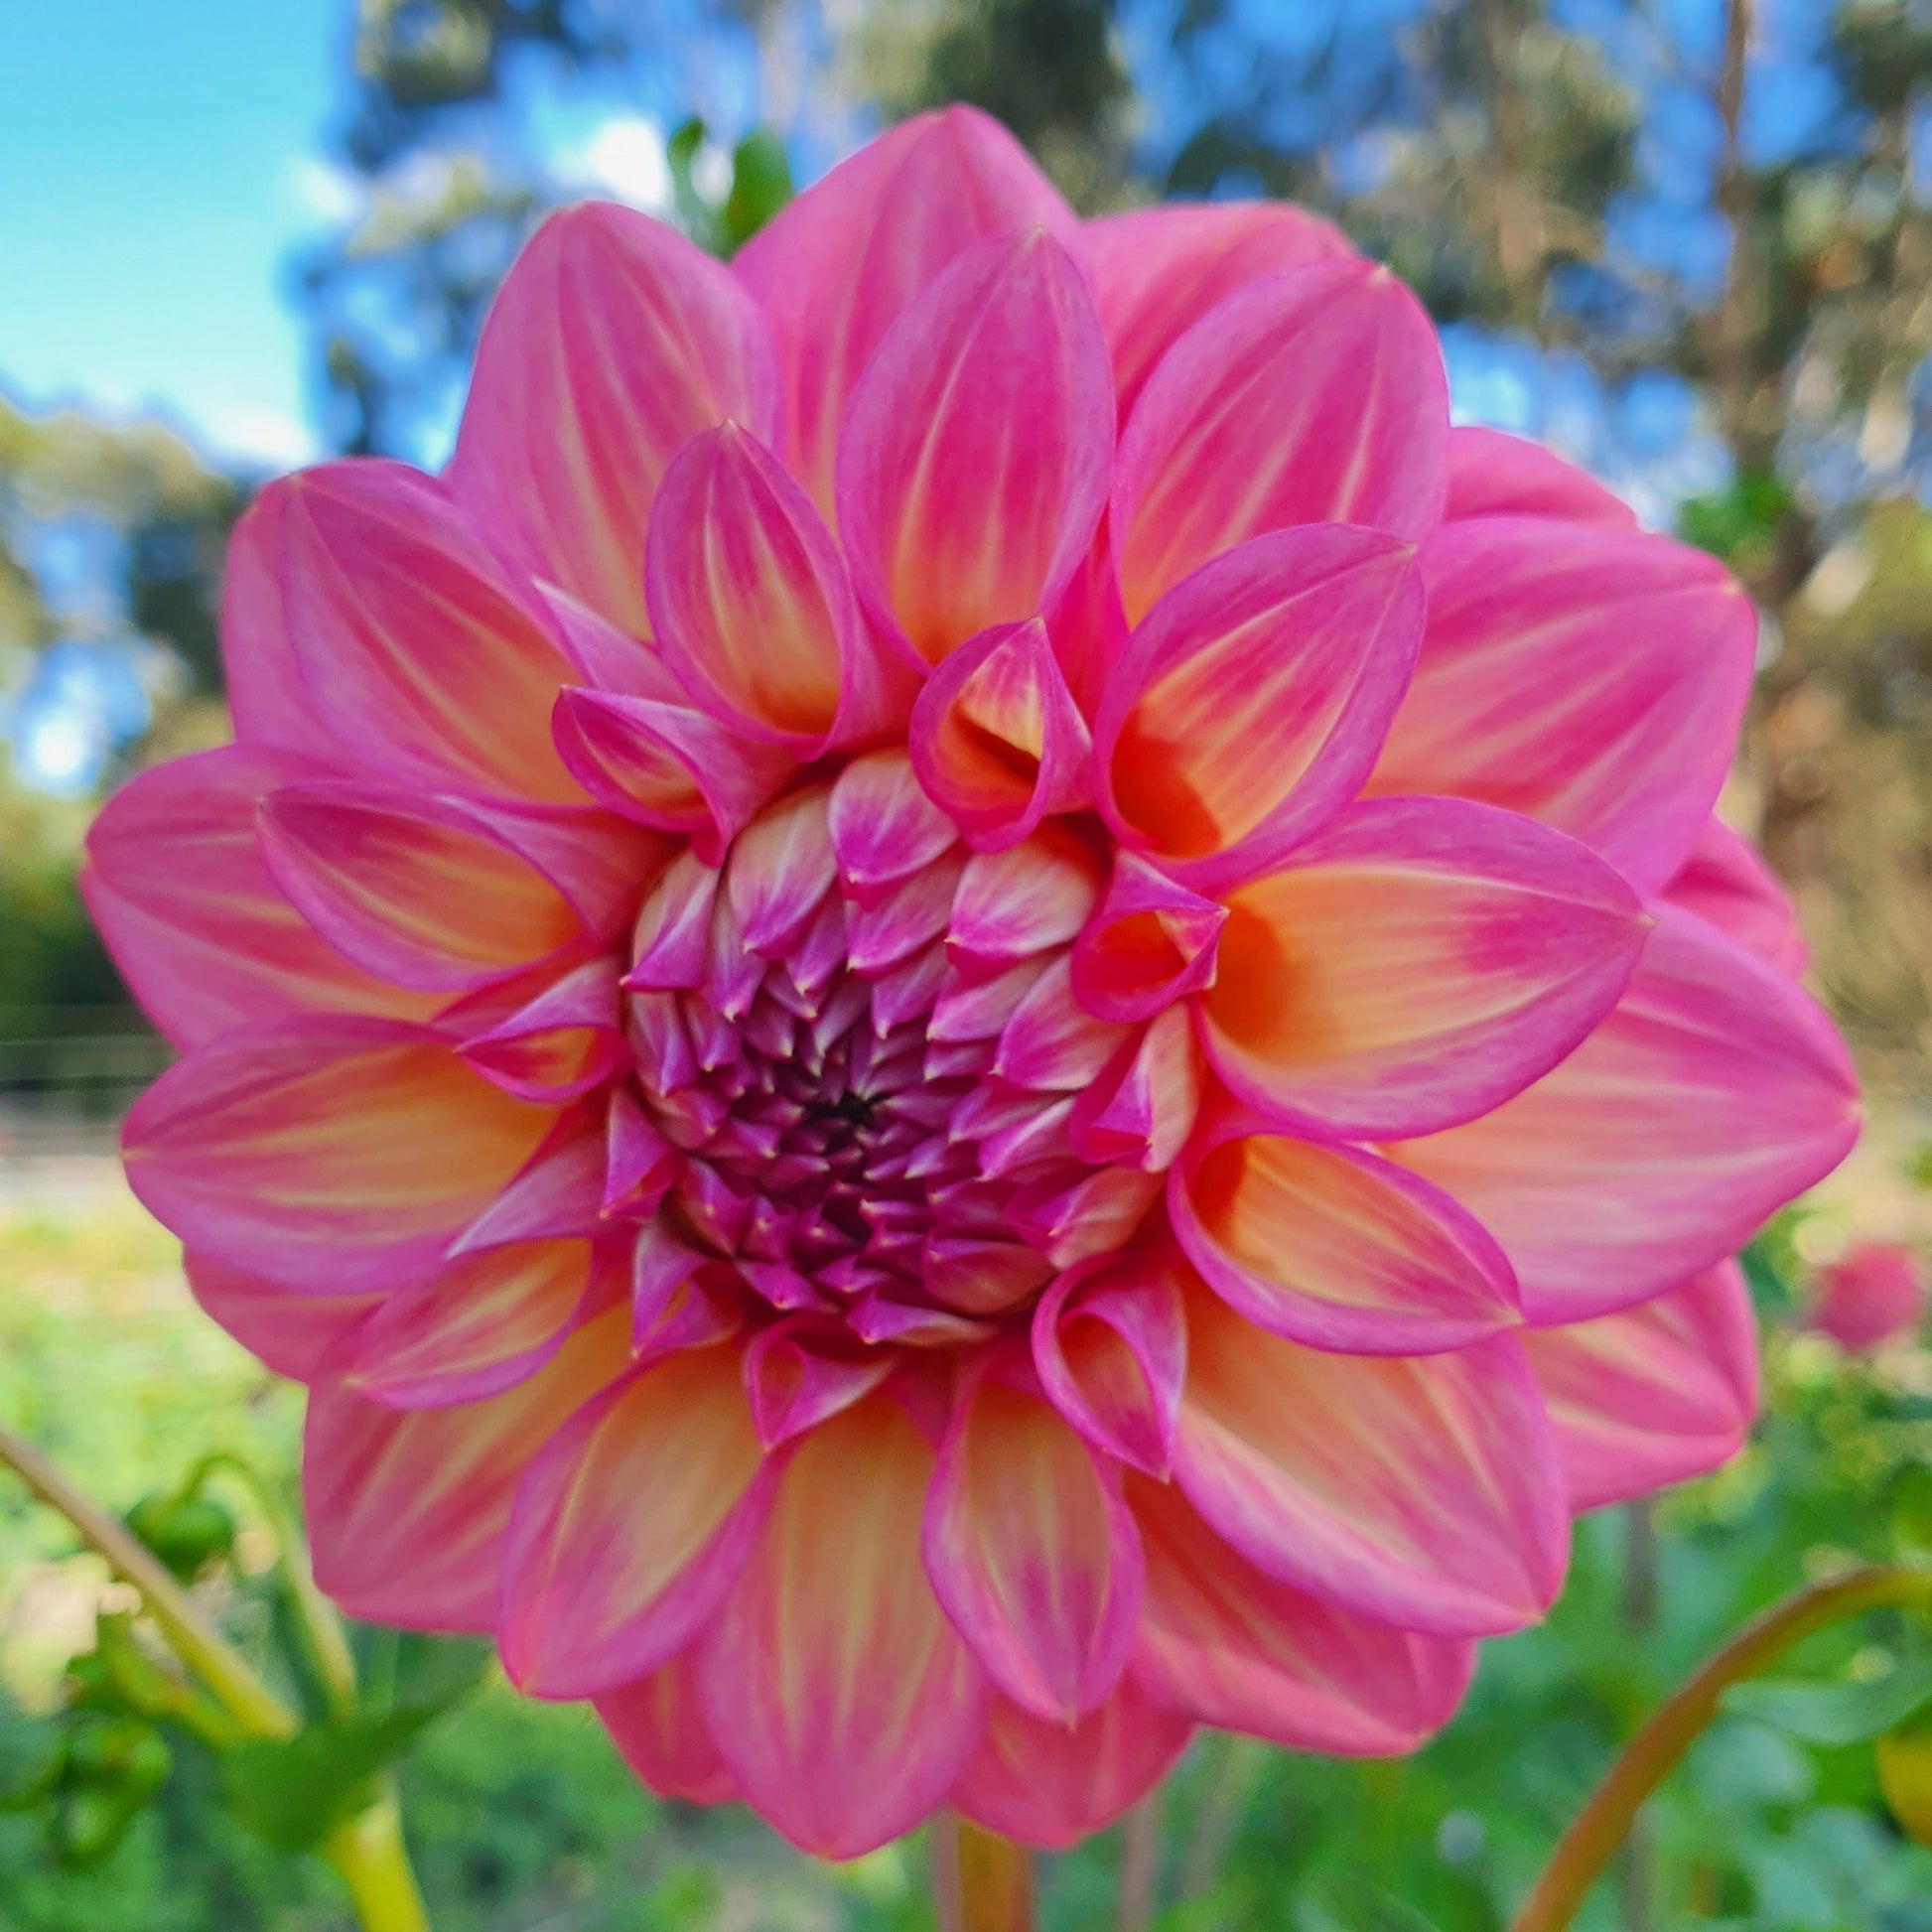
column 1158, row 270
column 1728, row 885
column 996, row 739
column 1652, row 1394
column 612, row 341
column 473, row 1329
column 292, row 1330
column 407, row 1507
column 415, row 889
column 556, row 1194
column 1110, row 1346
column 1030, row 1550
column 1311, row 396
column 1494, row 474
column 559, row 1044
column 1230, row 1647
column 413, row 639
column 1153, row 941
column 838, row 266
column 175, row 881
column 972, row 467
column 842, row 1701
column 1590, row 677
column 1048, row 1784
column 666, row 765
column 1420, row 1490
column 631, row 1525
column 659, row 1731
column 802, row 1371
column 1421, row 962
column 1337, row 1247
column 1251, row 702
column 1714, row 1092
column 1143, row 1106
column 751, row 606
column 339, row 1154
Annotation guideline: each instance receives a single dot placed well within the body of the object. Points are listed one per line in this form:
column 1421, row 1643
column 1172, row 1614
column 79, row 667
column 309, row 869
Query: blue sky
column 156, row 167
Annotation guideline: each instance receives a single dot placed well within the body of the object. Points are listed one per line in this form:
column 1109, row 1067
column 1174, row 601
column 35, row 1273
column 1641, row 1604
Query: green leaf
column 1835, row 1714
column 1911, row 1511
column 761, row 185
column 699, row 218
column 183, row 1532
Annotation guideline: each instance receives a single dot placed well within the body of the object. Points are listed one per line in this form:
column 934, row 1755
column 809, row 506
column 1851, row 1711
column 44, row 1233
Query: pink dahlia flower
column 972, row 1007
column 1873, row 1292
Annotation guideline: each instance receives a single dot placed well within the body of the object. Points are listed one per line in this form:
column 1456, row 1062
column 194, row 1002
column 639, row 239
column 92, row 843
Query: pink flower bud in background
column 1874, row 1292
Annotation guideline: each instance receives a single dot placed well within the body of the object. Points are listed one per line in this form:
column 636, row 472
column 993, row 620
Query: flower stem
column 195, row 1640
column 981, row 1882
column 369, row 1855
column 1594, row 1834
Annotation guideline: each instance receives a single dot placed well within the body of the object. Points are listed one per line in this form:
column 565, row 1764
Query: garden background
column 1688, row 242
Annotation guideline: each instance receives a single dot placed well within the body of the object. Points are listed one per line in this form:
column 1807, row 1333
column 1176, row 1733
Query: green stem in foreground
column 1597, row 1831
column 981, row 1882
column 371, row 1859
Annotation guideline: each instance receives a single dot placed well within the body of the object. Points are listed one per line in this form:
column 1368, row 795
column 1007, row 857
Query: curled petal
column 658, row 1729
column 1337, row 1247
column 842, row 1701
column 1143, row 1105
column 1252, row 701
column 1728, row 885
column 883, row 826
column 1714, row 1092
column 407, row 1507
column 1312, row 395
column 838, row 266
column 1421, row 962
column 293, row 1330
column 1153, row 941
column 612, row 341
column 1050, row 1784
column 472, row 1330
column 803, row 1371
column 749, row 603
column 630, row 1526
column 1653, row 1394
column 205, row 938
column 555, row 1196
column 1420, row 1490
column 1052, row 1044
column 1231, row 1647
column 1110, row 1343
column 666, row 765
column 1030, row 1550
column 673, row 931
column 779, row 871
column 1158, row 270
column 413, row 640
column 1070, row 1219
column 996, row 739
column 1015, row 904
column 340, row 1155
column 973, row 463
column 1588, row 676
column 1493, row 473
column 562, row 1043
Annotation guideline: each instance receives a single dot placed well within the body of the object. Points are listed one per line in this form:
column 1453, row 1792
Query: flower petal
column 1015, row 904
column 290, row 1329
column 1728, row 885
column 996, row 739
column 1337, row 1247
column 1422, row 960
column 1312, row 395
column 1153, row 941
column 804, row 1370
column 658, row 1729
column 1050, row 1784
column 838, row 266
column 972, row 467
column 407, row 1507
column 472, row 1330
column 1030, row 1548
column 751, row 606
column 1713, row 1094
column 1652, row 1394
column 841, row 1699
column 1158, row 270
column 267, row 701
column 175, row 881
column 1230, row 1647
column 339, row 1154
column 1252, row 701
column 414, row 642
column 1421, row 1491
column 559, row 1044
column 1493, row 474
column 883, row 826
column 611, row 343
column 1591, row 677
column 630, row 1526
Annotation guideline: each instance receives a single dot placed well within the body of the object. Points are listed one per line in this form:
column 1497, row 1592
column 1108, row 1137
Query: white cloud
column 267, row 437
column 625, row 158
